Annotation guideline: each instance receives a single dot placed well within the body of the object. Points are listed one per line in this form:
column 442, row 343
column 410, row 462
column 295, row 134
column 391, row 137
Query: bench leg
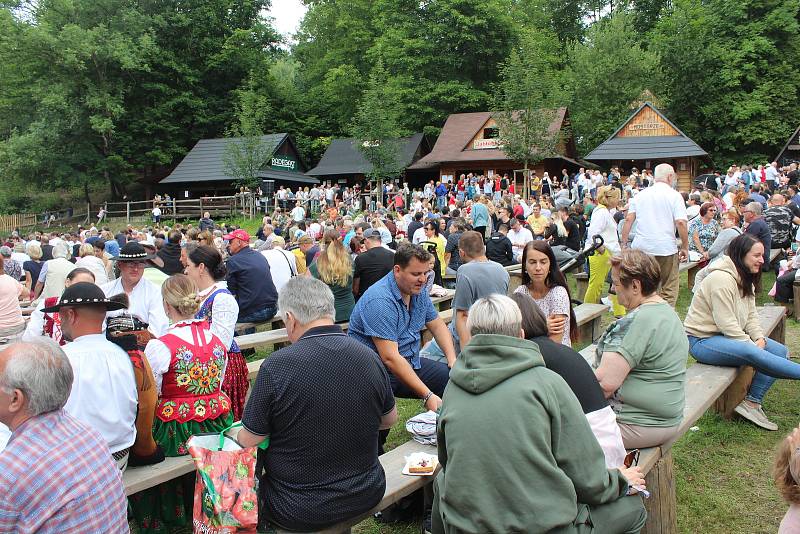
column 662, row 505
column 590, row 331
column 796, row 293
column 581, row 286
column 513, row 283
column 690, row 276
column 735, row 393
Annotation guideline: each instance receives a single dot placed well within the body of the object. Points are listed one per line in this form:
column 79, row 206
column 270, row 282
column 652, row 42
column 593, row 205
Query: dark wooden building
column 469, row 143
column 202, row 172
column 791, row 150
column 344, row 163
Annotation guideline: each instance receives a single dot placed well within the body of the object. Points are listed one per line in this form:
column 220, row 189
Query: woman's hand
column 556, row 324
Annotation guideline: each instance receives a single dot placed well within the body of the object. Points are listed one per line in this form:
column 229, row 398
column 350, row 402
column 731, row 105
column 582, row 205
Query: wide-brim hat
column 84, row 294
column 133, row 251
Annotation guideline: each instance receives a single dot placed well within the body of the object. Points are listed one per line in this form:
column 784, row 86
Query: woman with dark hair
column 546, row 284
column 432, row 235
column 640, row 360
column 704, row 229
column 723, row 326
column 578, row 375
column 205, row 268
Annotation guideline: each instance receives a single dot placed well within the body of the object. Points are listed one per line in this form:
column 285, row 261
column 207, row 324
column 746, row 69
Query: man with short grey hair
column 755, row 225
column 57, row 474
column 659, row 211
column 321, row 401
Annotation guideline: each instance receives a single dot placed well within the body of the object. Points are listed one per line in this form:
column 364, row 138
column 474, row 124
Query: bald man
column 659, row 211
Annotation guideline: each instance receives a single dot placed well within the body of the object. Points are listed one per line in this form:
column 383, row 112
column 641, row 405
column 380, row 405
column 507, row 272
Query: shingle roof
column 205, row 161
column 638, row 148
column 458, row 131
column 343, row 157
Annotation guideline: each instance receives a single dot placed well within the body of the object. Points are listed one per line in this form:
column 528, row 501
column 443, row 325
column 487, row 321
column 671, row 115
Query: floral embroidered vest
column 52, row 322
column 191, row 388
column 206, row 312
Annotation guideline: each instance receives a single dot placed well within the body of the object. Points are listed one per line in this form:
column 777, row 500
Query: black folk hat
column 84, row 294
column 133, row 251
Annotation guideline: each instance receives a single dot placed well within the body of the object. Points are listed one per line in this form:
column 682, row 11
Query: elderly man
column 658, row 211
column 282, row 263
column 250, row 280
column 104, row 394
column 322, row 417
column 56, row 473
column 54, row 272
column 755, row 224
column 779, row 218
column 389, row 319
column 553, row 470
column 144, row 297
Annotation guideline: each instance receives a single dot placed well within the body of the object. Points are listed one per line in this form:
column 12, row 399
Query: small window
column 491, row 133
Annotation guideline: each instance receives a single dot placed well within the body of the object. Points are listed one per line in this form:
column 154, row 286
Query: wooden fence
column 227, row 206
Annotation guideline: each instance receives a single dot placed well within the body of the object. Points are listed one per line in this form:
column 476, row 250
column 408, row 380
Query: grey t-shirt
column 475, row 280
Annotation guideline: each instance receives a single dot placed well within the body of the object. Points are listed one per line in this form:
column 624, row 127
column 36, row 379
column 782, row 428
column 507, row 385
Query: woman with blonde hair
column 602, row 223
column 786, row 473
column 188, row 364
column 88, row 260
column 334, row 266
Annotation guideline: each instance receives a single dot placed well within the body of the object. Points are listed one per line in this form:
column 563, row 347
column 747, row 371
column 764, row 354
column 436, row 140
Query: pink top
column 556, row 302
column 791, row 521
column 10, row 312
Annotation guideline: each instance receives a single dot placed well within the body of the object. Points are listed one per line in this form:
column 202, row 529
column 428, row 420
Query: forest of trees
column 95, row 94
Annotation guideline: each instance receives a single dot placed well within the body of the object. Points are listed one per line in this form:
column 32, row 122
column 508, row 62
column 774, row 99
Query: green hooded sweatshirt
column 517, row 453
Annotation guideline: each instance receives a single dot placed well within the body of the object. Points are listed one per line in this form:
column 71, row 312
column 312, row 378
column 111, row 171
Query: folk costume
column 188, row 363
column 47, row 324
column 220, row 309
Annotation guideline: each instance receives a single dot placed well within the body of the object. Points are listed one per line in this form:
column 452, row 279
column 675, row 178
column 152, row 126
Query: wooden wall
column 647, row 123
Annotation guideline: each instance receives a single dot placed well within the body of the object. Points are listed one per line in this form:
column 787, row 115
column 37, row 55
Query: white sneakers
column 755, row 416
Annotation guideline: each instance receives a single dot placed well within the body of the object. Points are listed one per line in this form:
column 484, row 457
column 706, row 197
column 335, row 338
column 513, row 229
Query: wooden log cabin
column 646, row 139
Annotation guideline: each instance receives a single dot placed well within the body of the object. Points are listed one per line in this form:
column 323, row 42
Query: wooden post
column 514, row 280
column 690, row 276
column 201, row 207
column 581, row 285
column 796, row 292
column 662, row 504
column 127, row 212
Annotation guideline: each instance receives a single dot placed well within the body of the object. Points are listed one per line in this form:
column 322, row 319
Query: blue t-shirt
column 381, row 313
column 480, row 215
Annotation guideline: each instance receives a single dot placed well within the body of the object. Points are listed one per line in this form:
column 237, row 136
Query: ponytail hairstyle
column 210, row 257
column 180, row 292
column 334, row 263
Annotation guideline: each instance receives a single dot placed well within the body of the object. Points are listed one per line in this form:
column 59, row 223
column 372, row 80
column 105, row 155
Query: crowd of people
column 130, row 348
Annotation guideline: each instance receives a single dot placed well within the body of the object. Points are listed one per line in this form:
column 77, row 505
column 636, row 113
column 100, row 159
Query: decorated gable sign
column 283, row 162
column 481, row 144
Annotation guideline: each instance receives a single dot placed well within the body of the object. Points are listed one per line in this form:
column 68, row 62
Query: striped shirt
column 57, row 475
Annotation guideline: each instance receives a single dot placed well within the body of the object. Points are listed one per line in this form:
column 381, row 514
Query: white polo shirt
column 145, row 303
column 657, row 208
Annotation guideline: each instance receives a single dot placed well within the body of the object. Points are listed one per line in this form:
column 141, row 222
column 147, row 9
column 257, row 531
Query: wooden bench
column 581, row 284
column 588, row 317
column 691, row 267
column 707, row 386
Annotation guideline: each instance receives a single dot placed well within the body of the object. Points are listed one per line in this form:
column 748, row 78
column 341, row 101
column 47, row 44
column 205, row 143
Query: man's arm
column 356, row 285
column 626, row 229
column 443, row 338
column 248, row 439
column 401, row 369
column 683, row 232
column 388, row 419
column 464, row 335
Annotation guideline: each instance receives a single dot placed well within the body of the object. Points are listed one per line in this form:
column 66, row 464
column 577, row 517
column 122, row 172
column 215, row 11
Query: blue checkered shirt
column 381, row 313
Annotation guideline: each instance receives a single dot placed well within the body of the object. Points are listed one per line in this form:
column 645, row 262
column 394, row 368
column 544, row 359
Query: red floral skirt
column 236, row 383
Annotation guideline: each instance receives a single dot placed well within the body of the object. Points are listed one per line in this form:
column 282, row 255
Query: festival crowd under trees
column 95, row 94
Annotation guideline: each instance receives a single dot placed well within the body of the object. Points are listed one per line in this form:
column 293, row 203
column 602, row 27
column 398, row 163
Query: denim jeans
column 260, row 316
column 770, row 363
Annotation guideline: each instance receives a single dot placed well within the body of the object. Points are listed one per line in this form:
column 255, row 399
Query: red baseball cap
column 237, row 234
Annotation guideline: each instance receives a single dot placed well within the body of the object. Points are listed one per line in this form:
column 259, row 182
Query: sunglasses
column 632, row 458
